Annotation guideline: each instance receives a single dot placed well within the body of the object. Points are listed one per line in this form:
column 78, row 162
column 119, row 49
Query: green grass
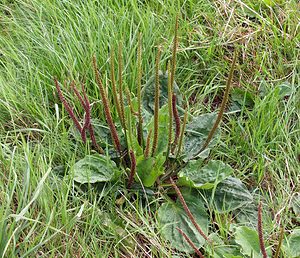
column 42, row 39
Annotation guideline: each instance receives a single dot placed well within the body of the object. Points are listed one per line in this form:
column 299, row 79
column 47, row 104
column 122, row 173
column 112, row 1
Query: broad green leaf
column 150, row 169
column 204, row 177
column 247, row 215
column 135, row 146
column 231, row 194
column 171, row 216
column 196, row 134
column 95, row 168
column 248, row 239
column 163, row 123
column 149, row 92
column 291, row 245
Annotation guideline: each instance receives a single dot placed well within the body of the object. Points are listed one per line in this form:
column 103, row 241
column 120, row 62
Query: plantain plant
column 154, row 140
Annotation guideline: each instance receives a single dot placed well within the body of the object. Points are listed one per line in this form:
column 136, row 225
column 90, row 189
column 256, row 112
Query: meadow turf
column 42, row 212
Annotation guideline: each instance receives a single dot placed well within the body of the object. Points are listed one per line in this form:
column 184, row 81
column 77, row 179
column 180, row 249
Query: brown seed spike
column 88, row 125
column 222, row 108
column 122, row 108
column 113, row 82
column 86, row 107
column 107, row 112
column 139, row 96
column 190, row 242
column 177, row 121
column 188, row 212
column 182, row 133
column 170, row 110
column 74, row 88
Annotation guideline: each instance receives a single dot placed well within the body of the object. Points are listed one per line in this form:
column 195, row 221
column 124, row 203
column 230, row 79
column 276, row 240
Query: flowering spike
column 139, row 96
column 260, row 231
column 109, row 120
column 156, row 103
column 188, row 212
column 122, row 108
column 85, row 107
column 177, row 122
column 147, row 148
column 174, row 52
column 113, row 82
column 222, row 108
column 170, row 109
column 182, row 132
column 190, row 242
column 88, row 125
column 81, row 100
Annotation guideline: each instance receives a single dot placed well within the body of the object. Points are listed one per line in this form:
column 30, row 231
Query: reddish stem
column 86, row 106
column 88, row 123
column 67, row 106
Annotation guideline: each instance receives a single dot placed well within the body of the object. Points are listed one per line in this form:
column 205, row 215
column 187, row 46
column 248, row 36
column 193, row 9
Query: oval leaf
column 204, row 177
column 150, row 169
column 95, row 168
column 172, row 216
column 231, row 194
column 248, row 239
column 196, row 134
